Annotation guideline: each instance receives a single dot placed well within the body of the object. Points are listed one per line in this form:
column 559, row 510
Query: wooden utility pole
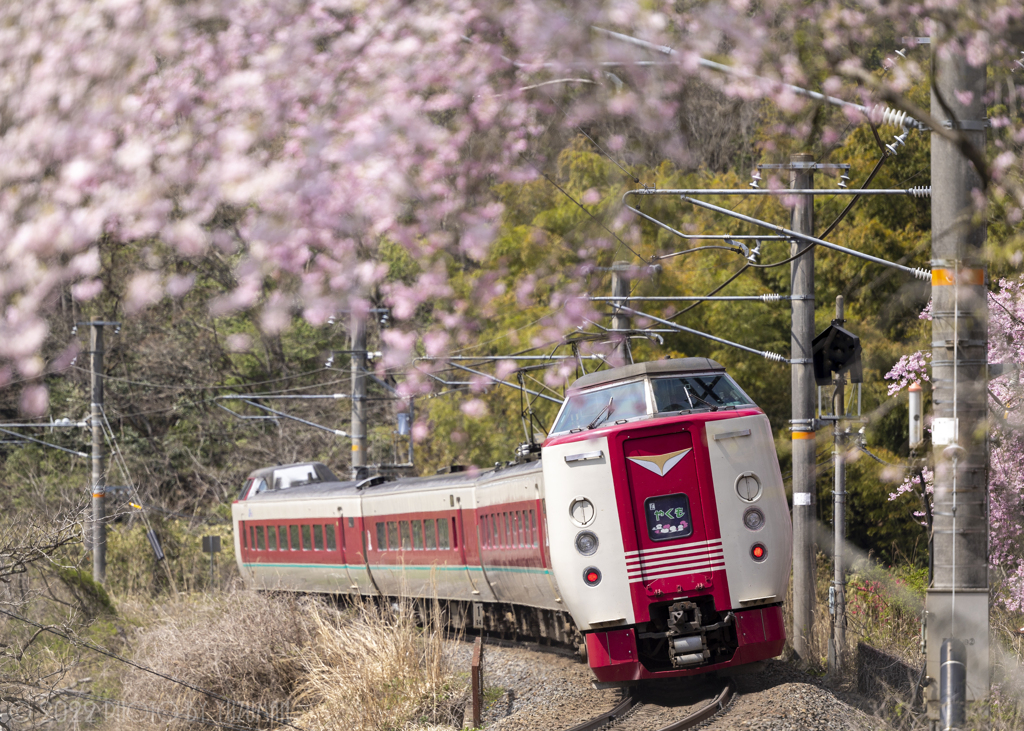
column 99, row 525
column 620, row 288
column 358, row 430
column 802, row 168
column 957, row 601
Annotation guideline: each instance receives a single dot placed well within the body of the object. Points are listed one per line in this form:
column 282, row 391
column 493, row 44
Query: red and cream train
column 653, row 532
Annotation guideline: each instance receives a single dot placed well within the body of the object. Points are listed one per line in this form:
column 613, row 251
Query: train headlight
column 753, row 519
column 586, row 543
column 592, row 576
column 758, row 552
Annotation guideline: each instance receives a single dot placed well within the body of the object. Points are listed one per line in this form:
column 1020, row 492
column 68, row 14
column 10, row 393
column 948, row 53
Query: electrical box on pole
column 836, row 351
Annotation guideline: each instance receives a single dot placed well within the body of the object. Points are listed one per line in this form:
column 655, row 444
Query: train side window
column 533, row 528
column 351, row 522
column 271, row 537
column 483, row 532
column 259, row 538
column 442, row 533
column 508, row 530
column 332, row 544
column 392, row 535
column 417, row 535
column 519, row 528
column 382, row 541
column 429, row 534
column 495, row 541
column 403, row 526
column 318, row 537
column 307, row 545
column 293, row 534
column 455, row 534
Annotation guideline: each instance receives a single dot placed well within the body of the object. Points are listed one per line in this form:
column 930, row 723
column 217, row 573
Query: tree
column 299, row 137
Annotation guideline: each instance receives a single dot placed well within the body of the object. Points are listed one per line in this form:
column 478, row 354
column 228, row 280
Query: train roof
column 654, row 367
column 351, row 488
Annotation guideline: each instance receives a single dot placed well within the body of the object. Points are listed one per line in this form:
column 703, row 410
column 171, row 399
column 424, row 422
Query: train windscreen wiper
column 604, row 413
column 689, row 393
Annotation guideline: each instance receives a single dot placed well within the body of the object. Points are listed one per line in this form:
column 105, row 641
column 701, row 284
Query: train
column 651, row 531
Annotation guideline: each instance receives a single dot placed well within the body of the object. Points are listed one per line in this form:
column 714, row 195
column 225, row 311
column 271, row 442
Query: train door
column 674, row 553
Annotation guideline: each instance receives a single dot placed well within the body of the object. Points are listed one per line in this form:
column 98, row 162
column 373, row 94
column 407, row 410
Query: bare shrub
column 241, row 645
column 379, row 670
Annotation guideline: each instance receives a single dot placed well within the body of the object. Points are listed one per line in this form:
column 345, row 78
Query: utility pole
column 621, row 322
column 99, row 525
column 358, row 325
column 802, row 168
column 837, row 643
column 957, row 600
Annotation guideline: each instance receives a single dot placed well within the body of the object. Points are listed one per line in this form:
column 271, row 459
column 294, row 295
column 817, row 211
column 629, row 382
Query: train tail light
column 758, row 552
column 592, row 576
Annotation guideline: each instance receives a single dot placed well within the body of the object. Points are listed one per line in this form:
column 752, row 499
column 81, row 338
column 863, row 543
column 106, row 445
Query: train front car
column 670, row 532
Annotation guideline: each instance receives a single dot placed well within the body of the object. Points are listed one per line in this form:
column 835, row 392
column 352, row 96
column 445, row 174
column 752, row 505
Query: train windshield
column 686, row 393
column 591, row 409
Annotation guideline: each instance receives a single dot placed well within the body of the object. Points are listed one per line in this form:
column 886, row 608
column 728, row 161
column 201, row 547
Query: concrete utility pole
column 358, row 430
column 802, row 290
column 837, row 643
column 620, row 288
column 99, row 525
column 957, row 600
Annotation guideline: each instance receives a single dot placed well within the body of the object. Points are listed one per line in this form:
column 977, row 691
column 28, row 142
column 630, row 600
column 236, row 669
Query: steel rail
column 703, row 714
column 606, row 718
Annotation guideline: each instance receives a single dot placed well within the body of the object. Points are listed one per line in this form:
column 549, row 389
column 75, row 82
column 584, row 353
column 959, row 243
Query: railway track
column 630, row 714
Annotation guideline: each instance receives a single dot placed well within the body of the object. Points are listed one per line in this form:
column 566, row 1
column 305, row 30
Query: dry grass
column 297, row 659
column 379, row 670
column 241, row 645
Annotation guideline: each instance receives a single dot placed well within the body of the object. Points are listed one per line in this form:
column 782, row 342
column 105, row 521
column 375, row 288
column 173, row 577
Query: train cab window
column 429, row 534
column 442, row 533
column 684, row 393
column 307, row 545
column 403, row 526
column 271, row 537
column 259, row 538
column 533, row 528
column 382, row 541
column 417, row 535
column 318, row 538
column 392, row 535
column 329, row 537
column 293, row 533
column 590, row 409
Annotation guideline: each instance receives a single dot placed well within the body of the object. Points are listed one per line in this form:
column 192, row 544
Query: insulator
column 923, row 274
column 921, row 191
column 902, row 53
column 773, row 297
column 753, row 184
column 893, row 117
column 773, row 357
